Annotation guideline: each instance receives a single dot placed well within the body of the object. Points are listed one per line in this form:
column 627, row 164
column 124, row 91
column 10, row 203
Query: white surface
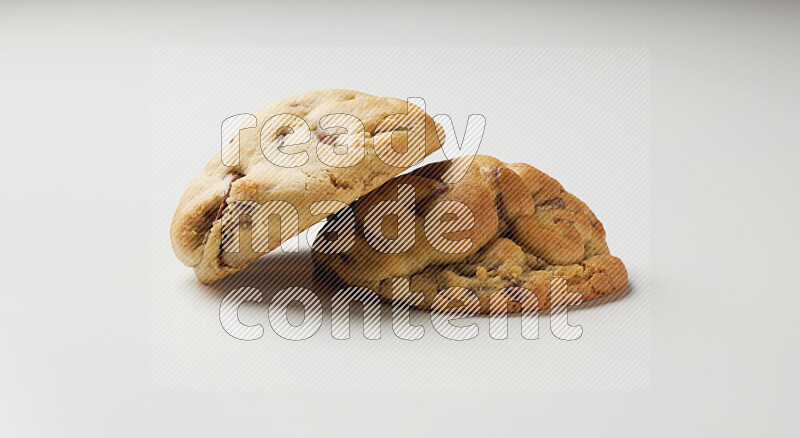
column 581, row 115
column 75, row 324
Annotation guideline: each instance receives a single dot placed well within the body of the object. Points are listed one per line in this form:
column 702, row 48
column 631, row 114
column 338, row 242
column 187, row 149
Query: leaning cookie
column 306, row 157
column 521, row 230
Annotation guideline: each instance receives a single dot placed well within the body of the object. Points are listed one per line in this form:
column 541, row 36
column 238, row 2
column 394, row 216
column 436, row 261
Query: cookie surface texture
column 522, row 232
column 304, row 157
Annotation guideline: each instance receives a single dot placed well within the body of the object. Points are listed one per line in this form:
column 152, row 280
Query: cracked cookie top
column 308, row 154
column 510, row 226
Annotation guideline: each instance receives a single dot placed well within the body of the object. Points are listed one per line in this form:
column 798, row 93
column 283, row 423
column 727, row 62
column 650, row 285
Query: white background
column 76, row 316
column 580, row 114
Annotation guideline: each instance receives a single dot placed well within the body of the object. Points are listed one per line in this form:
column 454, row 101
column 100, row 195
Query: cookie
column 307, row 156
column 501, row 227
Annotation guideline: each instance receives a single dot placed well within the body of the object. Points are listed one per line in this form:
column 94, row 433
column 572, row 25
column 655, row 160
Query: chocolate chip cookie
column 307, row 156
column 501, row 227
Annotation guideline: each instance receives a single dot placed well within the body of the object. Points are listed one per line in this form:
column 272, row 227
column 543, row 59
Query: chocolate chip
column 339, row 183
column 223, row 204
column 553, row 203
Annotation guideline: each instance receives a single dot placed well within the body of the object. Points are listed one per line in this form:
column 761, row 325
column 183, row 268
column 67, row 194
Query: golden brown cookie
column 308, row 156
column 524, row 230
